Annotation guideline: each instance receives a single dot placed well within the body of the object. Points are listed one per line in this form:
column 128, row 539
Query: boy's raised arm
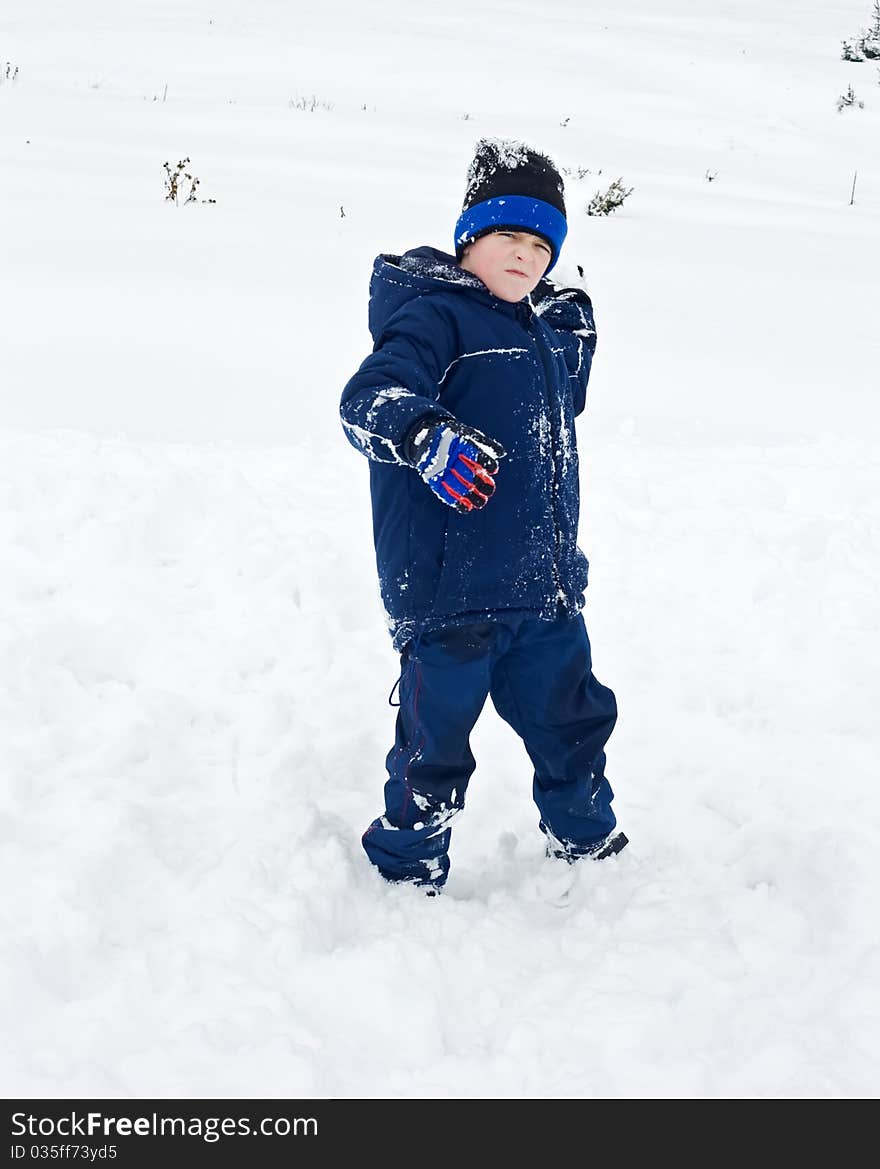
column 569, row 312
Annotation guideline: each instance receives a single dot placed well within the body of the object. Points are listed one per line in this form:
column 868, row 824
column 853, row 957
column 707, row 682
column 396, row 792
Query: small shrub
column 604, row 202
column 310, row 104
column 10, row 73
column 174, row 181
column 578, row 172
column 849, row 99
column 871, row 41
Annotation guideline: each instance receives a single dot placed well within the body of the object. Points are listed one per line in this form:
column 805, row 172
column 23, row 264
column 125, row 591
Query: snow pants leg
column 444, row 683
column 539, row 674
column 545, row 688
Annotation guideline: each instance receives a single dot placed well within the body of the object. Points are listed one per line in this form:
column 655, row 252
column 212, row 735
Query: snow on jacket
column 445, row 345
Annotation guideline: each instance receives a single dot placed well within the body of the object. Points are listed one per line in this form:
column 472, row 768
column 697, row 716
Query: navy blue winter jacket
column 445, row 345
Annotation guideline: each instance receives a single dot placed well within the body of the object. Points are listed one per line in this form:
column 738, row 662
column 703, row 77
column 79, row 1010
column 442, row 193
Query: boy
column 478, row 371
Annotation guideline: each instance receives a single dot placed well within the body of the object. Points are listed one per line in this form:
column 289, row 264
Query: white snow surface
column 194, row 664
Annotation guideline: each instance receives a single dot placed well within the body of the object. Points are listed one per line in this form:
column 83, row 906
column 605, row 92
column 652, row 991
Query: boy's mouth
column 516, row 272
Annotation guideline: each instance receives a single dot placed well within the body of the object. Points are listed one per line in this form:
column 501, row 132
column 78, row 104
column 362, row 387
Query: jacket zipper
column 528, row 322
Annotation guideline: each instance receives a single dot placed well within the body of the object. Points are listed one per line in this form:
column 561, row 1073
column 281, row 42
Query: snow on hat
column 512, row 186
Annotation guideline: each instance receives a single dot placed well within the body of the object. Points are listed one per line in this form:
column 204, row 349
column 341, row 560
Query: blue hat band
column 517, row 212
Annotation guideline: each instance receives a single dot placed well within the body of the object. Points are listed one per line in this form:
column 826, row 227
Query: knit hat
column 511, row 186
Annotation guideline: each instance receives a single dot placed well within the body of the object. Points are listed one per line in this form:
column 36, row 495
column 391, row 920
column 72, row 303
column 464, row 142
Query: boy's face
column 510, row 263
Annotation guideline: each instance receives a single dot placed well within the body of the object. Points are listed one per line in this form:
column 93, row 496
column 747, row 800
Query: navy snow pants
column 539, row 674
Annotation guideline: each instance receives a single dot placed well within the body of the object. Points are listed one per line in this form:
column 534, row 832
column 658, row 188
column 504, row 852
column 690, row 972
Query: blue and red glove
column 456, row 461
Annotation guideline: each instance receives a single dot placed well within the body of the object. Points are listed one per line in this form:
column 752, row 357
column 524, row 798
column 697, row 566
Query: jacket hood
column 398, row 279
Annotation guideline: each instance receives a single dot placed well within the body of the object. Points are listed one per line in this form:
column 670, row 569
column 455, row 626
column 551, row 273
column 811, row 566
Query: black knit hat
column 510, row 185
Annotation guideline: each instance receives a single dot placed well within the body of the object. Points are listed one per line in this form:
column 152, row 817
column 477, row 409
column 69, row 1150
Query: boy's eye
column 539, row 243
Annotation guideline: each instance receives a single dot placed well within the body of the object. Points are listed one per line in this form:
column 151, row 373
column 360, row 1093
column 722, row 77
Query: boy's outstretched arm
column 398, row 385
column 569, row 312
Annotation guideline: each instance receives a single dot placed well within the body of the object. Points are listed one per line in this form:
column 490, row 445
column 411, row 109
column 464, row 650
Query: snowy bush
column 604, row 202
column 849, row 99
column 866, row 45
column 310, row 103
column 870, row 44
column 10, row 73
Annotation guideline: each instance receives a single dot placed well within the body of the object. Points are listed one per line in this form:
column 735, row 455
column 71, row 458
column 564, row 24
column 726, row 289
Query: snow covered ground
column 194, row 669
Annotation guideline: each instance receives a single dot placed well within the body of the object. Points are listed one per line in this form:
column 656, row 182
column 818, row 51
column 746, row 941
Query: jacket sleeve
column 569, row 312
column 398, row 385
